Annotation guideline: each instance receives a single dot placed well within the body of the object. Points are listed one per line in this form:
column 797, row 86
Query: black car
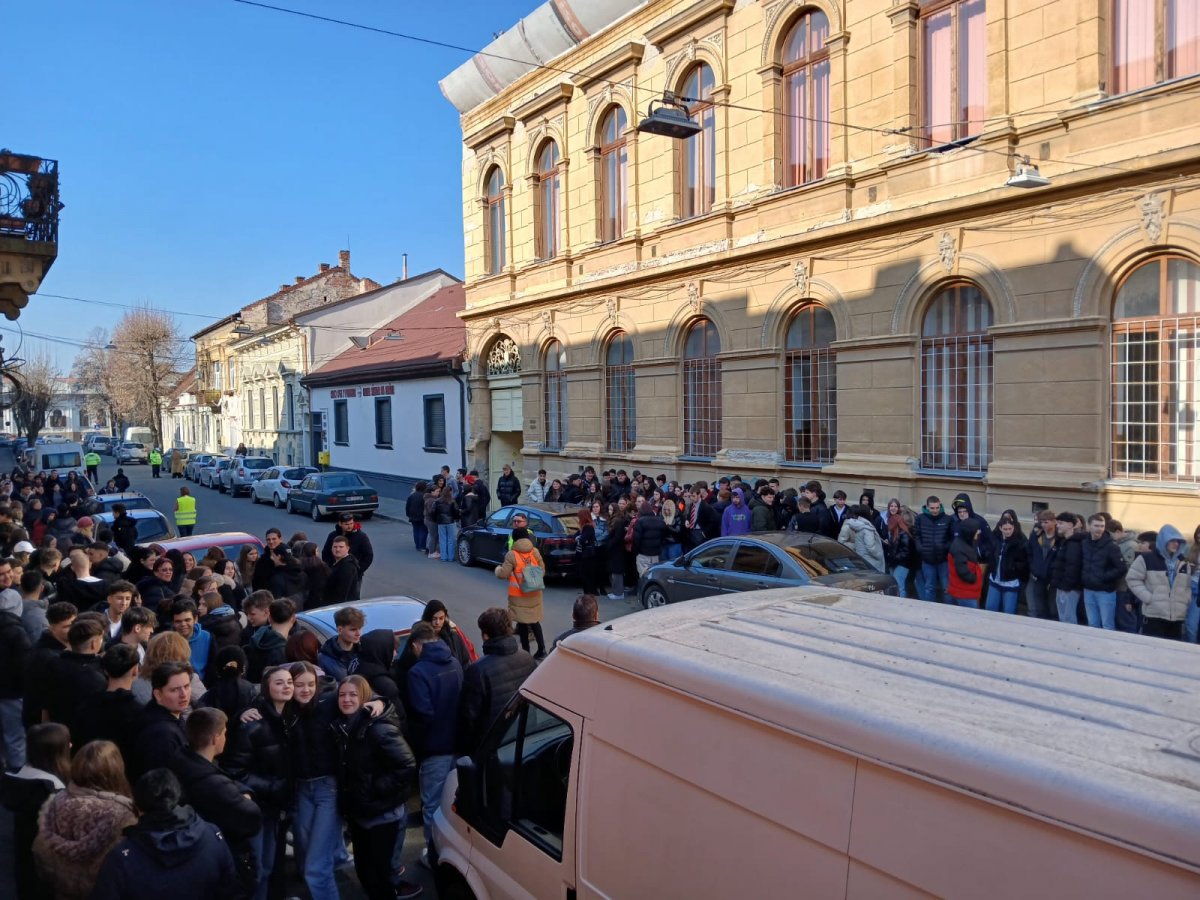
column 553, row 525
column 760, row 561
column 331, row 493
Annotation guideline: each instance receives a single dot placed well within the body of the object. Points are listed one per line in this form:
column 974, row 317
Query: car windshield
column 222, row 464
column 257, row 463
column 827, row 558
column 343, row 480
column 66, row 460
column 570, row 522
column 149, row 529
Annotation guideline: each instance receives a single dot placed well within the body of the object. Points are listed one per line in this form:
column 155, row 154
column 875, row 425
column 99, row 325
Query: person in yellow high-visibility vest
column 185, row 512
column 155, row 462
column 92, row 461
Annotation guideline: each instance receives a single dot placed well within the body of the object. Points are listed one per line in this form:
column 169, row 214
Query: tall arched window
column 698, row 181
column 546, row 201
column 556, row 396
column 614, row 174
column 953, row 69
column 806, row 100
column 494, row 228
column 701, row 390
column 810, row 387
column 620, row 396
column 956, row 381
column 1156, row 372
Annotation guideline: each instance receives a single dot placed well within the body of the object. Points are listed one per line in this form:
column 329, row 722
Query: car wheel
column 653, row 597
column 315, row 512
column 253, row 496
column 463, row 552
column 291, row 509
column 276, row 502
column 366, row 515
column 221, row 488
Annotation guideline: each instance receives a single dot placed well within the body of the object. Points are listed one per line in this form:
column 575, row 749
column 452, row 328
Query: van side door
column 524, row 788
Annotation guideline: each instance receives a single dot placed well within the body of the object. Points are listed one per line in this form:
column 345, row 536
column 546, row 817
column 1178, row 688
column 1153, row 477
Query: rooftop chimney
column 404, row 266
column 323, row 267
column 344, row 259
column 299, row 278
column 284, row 287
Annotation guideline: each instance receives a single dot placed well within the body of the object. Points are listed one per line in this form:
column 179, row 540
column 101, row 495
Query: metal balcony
column 29, row 208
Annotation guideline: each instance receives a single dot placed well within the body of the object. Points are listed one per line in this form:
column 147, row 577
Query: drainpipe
column 462, row 415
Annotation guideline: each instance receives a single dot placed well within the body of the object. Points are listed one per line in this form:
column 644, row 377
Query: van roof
column 1094, row 728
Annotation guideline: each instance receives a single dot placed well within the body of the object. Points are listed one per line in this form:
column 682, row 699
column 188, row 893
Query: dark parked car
column 554, row 526
column 397, row 613
column 760, row 561
column 103, row 503
column 328, row 493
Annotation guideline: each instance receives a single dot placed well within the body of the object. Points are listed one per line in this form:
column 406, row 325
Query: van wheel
column 653, row 597
column 451, row 885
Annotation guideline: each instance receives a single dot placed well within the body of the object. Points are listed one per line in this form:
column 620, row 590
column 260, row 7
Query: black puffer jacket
column 933, row 537
column 376, row 653
column 314, row 751
column 15, row 648
column 508, row 489
column 902, row 551
column 649, row 534
column 1009, row 560
column 216, row 797
column 360, row 547
column 1102, row 565
column 414, row 508
column 487, row 686
column 376, row 767
column 1068, row 564
column 260, row 759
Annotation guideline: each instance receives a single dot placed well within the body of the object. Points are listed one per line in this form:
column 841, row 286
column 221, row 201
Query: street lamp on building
column 1027, row 175
column 670, row 119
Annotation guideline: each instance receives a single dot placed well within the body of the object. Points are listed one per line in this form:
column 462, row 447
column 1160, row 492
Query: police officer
column 155, row 462
column 185, row 512
column 92, row 460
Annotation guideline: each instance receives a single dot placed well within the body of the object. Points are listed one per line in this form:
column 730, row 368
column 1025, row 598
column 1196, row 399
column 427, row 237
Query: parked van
column 817, row 743
column 139, row 434
column 64, row 457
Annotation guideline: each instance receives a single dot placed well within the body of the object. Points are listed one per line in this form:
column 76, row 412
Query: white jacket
column 861, row 537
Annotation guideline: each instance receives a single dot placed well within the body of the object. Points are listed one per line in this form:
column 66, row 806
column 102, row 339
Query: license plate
column 355, row 497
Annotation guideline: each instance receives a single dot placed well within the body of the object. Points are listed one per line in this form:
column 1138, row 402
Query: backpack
column 531, row 576
column 629, row 534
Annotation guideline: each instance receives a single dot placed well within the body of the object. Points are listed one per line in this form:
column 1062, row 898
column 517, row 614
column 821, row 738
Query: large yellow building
column 854, row 271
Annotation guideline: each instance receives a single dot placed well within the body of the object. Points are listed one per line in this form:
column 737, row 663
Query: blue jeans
column 448, row 540
column 933, row 575
column 1067, row 602
column 420, row 534
column 900, row 573
column 1039, row 604
column 969, row 602
column 1002, row 598
column 1191, row 623
column 671, row 551
column 12, row 734
column 1101, row 608
column 265, row 847
column 434, row 772
column 318, row 831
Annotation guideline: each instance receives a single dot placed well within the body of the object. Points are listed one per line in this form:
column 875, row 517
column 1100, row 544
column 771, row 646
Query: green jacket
column 91, row 459
column 155, row 458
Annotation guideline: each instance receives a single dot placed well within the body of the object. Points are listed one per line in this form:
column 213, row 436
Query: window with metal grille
column 956, row 381
column 289, row 401
column 701, row 391
column 698, row 174
column 383, row 422
column 806, row 100
column 546, row 201
column 275, row 411
column 556, row 396
column 810, row 387
column 614, row 164
column 953, row 69
column 435, row 421
column 262, row 409
column 1153, row 41
column 341, row 423
column 494, row 222
column 249, row 409
column 620, row 395
column 1156, row 373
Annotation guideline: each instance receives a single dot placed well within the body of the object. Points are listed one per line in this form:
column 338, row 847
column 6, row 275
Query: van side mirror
column 467, row 799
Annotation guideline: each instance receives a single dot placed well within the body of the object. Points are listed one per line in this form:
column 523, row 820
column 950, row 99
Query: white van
column 139, row 434
column 64, row 457
column 818, row 743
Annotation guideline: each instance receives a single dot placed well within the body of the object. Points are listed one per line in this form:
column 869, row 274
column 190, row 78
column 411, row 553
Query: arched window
column 810, row 387
column 556, row 396
column 701, row 390
column 956, row 381
column 698, row 182
column 1156, row 372
column 806, row 100
column 953, row 69
column 614, row 174
column 1153, row 41
column 620, row 396
column 494, row 222
column 546, row 201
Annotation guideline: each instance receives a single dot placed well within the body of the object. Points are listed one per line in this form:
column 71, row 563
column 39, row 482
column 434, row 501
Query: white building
column 182, row 414
column 396, row 402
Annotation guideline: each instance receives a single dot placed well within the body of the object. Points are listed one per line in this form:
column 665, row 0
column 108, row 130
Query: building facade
column 917, row 246
column 181, row 414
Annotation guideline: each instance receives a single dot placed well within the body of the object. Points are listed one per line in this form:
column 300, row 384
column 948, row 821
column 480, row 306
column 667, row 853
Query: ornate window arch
column 956, row 380
column 810, row 386
column 701, row 390
column 555, row 393
column 698, row 154
column 620, row 393
column 503, row 358
column 547, row 206
column 806, row 98
column 614, row 173
column 495, row 221
column 1156, row 371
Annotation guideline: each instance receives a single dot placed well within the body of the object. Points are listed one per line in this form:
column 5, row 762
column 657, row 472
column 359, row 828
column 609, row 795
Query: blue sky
column 210, row 151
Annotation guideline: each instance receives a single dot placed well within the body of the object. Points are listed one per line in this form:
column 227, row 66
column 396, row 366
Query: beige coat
column 524, row 608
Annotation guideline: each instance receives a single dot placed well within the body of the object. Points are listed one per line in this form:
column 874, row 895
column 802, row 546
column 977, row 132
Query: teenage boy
column 339, row 655
column 268, row 646
column 115, row 714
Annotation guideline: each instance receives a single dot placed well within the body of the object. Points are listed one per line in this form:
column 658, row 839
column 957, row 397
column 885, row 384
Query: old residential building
column 854, row 270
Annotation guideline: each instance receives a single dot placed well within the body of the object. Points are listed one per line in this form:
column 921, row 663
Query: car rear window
column 827, row 559
column 295, row 473
column 570, row 522
column 343, row 480
column 135, row 445
column 257, row 463
column 150, row 529
column 66, row 460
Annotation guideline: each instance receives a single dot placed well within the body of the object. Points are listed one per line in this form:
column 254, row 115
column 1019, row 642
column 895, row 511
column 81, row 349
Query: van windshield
column 67, row 459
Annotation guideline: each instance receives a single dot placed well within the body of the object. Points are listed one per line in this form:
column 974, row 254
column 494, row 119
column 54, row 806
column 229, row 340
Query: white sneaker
column 614, row 597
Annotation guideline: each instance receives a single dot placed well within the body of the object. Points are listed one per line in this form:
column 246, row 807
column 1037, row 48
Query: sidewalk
column 391, row 509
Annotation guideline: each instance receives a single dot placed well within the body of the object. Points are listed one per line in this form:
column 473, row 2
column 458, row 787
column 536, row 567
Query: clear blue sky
column 211, row 151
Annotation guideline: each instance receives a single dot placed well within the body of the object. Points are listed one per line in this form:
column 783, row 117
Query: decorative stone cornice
column 681, row 22
column 501, row 127
column 625, row 56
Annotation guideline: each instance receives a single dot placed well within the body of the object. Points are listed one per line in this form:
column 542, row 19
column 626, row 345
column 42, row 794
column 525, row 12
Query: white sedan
column 273, row 487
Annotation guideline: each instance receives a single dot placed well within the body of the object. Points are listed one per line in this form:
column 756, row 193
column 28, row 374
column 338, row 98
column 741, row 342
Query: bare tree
column 146, row 359
column 36, row 384
column 93, row 367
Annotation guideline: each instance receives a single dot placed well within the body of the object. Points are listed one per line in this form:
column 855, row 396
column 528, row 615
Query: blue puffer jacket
column 434, row 685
